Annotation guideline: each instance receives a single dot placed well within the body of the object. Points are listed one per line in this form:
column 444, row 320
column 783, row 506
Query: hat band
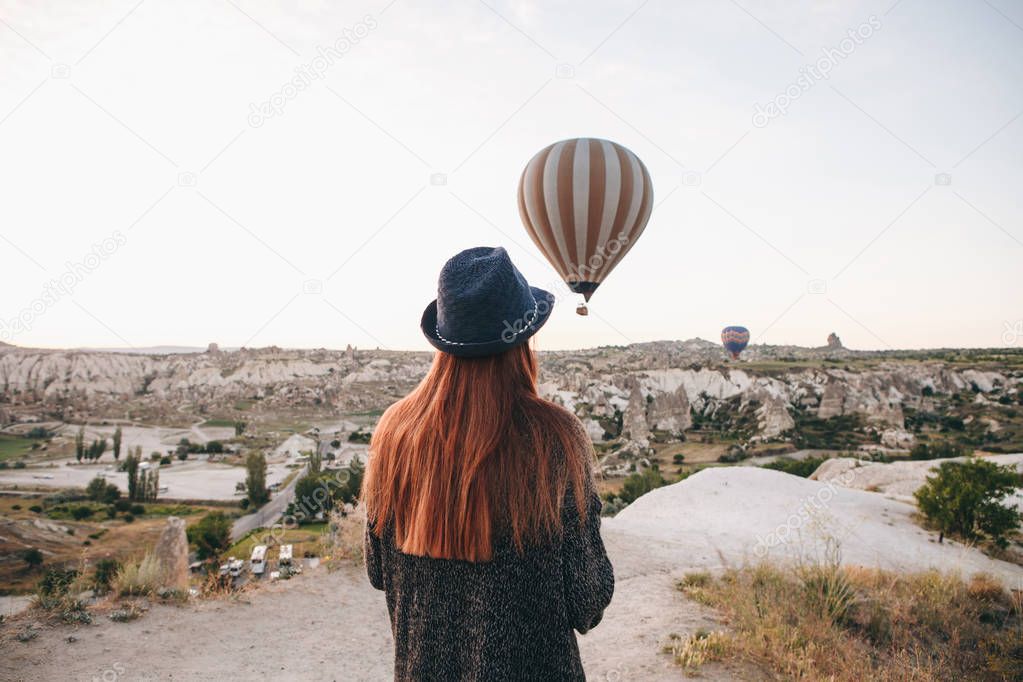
column 528, row 318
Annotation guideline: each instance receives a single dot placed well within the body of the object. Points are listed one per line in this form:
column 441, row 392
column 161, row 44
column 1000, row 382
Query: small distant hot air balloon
column 735, row 340
column 585, row 202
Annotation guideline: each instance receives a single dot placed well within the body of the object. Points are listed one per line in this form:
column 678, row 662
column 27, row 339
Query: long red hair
column 474, row 452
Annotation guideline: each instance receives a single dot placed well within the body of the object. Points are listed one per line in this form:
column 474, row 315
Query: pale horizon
column 883, row 205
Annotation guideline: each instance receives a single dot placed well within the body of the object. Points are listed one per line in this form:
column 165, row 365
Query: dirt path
column 334, row 626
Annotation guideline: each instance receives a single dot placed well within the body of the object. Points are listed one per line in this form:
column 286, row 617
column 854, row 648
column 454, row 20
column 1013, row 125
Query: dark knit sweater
column 511, row 618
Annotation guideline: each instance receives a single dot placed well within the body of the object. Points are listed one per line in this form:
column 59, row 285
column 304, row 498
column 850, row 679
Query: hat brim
column 485, row 348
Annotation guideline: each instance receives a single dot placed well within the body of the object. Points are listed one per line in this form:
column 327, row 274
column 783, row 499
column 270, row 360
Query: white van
column 258, row 560
column 235, row 566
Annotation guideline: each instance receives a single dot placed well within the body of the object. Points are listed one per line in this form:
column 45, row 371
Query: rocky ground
column 334, row 626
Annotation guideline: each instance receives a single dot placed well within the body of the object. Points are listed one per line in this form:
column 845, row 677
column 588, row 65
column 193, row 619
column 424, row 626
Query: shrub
column 695, row 579
column 701, row 647
column 122, row 505
column 32, row 557
column 796, row 467
column 942, row 450
column 99, row 490
column 679, row 458
column 137, row 509
column 57, row 592
column 104, row 574
column 128, row 518
column 734, row 454
column 19, row 465
column 36, row 509
column 128, row 613
column 640, row 483
column 81, row 512
column 965, row 499
column 56, row 581
column 612, row 505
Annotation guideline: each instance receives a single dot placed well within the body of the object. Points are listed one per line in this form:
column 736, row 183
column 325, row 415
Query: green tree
column 183, row 448
column 80, row 443
column 117, row 443
column 131, row 466
column 966, row 499
column 149, row 483
column 255, row 479
column 313, row 494
column 356, row 472
column 96, row 488
column 211, row 536
column 97, row 449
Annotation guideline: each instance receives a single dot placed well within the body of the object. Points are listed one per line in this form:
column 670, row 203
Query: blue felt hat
column 484, row 305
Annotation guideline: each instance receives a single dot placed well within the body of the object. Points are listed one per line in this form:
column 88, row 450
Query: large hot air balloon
column 584, row 202
column 734, row 339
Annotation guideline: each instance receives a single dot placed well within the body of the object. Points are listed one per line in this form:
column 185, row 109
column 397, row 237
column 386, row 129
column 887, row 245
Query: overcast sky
column 149, row 196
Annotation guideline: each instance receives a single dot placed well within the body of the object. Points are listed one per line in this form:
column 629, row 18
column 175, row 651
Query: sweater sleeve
column 371, row 548
column 587, row 573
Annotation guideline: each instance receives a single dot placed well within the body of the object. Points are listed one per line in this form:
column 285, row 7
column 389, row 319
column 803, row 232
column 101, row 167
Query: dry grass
column 344, row 543
column 692, row 651
column 826, row 622
column 144, row 577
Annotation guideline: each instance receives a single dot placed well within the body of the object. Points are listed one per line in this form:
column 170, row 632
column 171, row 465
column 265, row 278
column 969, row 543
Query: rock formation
column 670, row 412
column 171, row 552
column 634, row 423
column 642, row 392
column 834, row 342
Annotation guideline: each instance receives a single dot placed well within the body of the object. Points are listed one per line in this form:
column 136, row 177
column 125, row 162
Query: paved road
column 269, row 512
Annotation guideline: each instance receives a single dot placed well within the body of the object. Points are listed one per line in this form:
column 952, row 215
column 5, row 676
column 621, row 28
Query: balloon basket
column 581, row 309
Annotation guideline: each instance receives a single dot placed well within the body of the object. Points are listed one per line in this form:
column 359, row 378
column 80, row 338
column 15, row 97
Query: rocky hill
column 632, row 396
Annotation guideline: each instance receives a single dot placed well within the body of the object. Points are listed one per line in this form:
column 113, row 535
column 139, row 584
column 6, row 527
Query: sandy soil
column 334, row 626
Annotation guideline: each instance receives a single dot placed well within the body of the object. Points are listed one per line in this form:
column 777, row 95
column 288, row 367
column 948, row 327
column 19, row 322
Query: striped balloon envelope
column 734, row 339
column 585, row 202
